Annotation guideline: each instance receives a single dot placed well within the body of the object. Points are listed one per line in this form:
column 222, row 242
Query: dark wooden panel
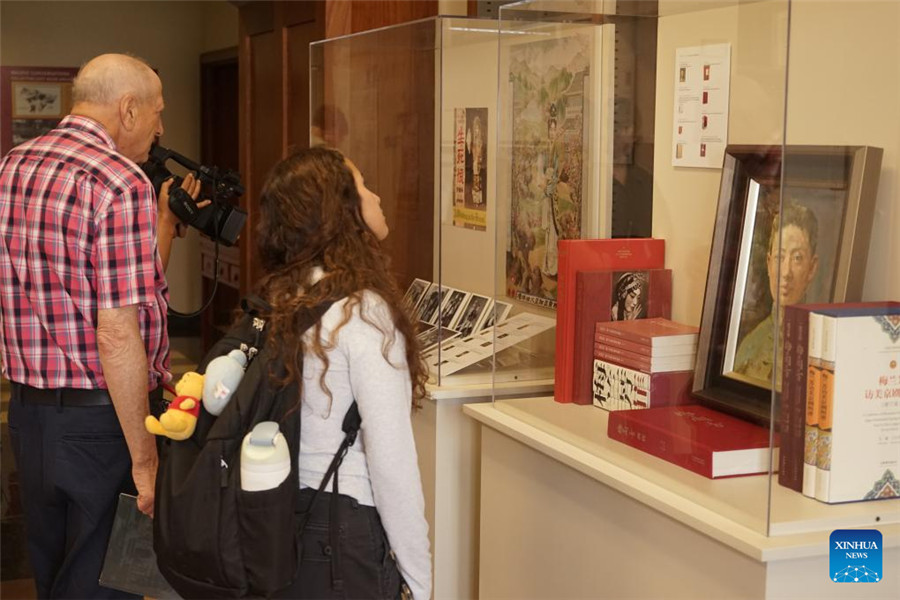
column 298, row 39
column 219, row 146
column 296, row 13
column 338, row 18
column 265, row 132
column 219, row 113
column 258, row 17
column 371, row 14
column 385, row 83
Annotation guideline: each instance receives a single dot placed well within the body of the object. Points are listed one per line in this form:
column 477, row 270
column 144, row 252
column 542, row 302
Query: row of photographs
column 446, row 312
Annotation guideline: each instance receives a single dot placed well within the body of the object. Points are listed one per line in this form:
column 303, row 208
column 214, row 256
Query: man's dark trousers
column 72, row 462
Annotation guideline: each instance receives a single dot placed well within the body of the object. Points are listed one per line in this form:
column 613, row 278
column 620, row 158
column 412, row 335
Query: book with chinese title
column 858, row 444
column 697, row 438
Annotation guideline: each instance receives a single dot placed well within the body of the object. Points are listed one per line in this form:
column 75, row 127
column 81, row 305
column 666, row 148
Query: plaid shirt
column 77, row 234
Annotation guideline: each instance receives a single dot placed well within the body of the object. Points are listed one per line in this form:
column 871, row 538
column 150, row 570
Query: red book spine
column 612, row 342
column 660, row 442
column 561, row 383
column 592, row 294
column 790, row 458
column 624, row 358
column 657, row 333
column 585, row 255
column 616, row 343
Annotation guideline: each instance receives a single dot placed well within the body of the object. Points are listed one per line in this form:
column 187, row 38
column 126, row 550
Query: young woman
column 320, row 230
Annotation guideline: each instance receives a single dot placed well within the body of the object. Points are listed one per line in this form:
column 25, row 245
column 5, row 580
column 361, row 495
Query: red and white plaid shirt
column 77, row 234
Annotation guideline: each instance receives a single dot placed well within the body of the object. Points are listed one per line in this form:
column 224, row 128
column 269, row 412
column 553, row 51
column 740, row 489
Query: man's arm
column 125, row 368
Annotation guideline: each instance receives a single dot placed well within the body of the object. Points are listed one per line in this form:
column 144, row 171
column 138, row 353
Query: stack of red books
column 643, row 363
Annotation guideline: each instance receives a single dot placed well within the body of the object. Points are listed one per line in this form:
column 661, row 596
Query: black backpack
column 212, row 539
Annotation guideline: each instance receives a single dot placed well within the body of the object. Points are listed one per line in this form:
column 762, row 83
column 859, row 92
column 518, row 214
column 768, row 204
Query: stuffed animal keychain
column 223, row 375
column 180, row 418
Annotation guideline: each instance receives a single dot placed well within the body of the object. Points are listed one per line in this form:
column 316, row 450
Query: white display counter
column 567, row 512
column 449, row 450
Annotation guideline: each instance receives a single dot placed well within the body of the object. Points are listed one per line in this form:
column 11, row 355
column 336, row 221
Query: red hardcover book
column 650, row 332
column 650, row 364
column 612, row 342
column 587, row 255
column 697, row 438
column 601, row 296
column 619, row 388
column 794, row 383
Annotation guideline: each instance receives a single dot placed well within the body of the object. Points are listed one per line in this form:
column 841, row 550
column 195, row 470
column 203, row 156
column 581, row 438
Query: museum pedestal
column 448, row 444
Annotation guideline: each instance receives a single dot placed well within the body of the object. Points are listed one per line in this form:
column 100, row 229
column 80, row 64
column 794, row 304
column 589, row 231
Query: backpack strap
column 350, row 427
column 255, row 305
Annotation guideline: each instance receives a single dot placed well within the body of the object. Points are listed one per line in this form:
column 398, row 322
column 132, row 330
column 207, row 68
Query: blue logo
column 856, row 556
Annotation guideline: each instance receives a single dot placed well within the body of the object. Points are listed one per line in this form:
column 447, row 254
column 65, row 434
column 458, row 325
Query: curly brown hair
column 310, row 216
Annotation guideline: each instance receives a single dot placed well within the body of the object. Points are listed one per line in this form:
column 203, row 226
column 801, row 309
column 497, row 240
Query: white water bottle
column 265, row 458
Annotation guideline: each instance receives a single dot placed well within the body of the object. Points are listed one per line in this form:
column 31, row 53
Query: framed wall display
column 470, row 179
column 34, row 101
column 778, row 241
column 549, row 85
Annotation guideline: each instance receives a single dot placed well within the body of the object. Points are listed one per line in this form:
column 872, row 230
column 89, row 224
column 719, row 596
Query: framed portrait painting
column 792, row 226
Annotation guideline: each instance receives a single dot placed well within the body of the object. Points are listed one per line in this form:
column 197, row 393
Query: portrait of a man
column 786, row 234
column 792, row 262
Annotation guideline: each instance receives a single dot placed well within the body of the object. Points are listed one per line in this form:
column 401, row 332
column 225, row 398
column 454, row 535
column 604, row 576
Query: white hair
column 105, row 79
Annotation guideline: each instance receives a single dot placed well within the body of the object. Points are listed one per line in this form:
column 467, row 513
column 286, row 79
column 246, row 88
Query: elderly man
column 83, row 299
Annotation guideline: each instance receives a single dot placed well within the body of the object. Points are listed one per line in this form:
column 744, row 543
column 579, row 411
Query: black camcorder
column 221, row 221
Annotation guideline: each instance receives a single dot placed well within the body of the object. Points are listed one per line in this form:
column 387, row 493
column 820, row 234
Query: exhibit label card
column 702, row 86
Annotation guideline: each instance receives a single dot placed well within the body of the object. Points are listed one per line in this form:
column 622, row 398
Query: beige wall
column 844, row 88
column 684, row 199
column 169, row 35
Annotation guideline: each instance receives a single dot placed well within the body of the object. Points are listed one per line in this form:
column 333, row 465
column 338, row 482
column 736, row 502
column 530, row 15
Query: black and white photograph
column 414, row 294
column 37, row 100
column 431, row 302
column 26, row 129
column 424, row 330
column 452, row 306
column 436, row 335
column 499, row 312
column 472, row 314
column 630, row 296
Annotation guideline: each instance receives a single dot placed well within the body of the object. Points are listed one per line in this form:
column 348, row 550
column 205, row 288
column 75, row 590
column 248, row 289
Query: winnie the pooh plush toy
column 180, row 419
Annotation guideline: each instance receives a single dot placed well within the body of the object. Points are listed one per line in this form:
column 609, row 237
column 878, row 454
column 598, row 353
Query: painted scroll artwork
column 548, row 82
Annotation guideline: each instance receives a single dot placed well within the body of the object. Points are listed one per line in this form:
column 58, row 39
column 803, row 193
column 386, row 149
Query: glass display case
column 771, row 182
column 414, row 107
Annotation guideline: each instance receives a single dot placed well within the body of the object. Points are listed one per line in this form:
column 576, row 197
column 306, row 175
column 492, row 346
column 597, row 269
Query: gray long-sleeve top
column 381, row 468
